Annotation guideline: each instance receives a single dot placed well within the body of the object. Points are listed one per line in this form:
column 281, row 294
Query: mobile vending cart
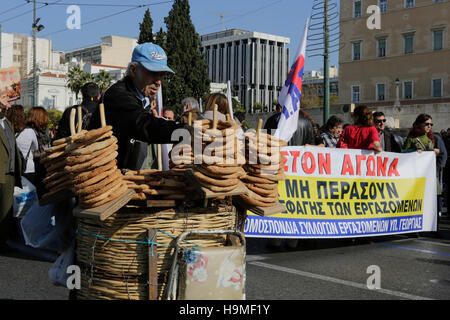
column 141, row 233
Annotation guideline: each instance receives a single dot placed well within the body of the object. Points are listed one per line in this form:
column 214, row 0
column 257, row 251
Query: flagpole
column 326, row 66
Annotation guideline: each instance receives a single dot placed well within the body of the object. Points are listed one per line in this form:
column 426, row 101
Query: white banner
column 338, row 193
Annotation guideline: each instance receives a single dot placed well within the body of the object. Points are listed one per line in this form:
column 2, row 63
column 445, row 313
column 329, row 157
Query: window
column 357, row 9
column 383, row 5
column 436, row 87
column 408, row 43
column 438, row 36
column 381, row 92
column 409, row 3
column 356, row 51
column 381, row 45
column 408, row 89
column 355, row 94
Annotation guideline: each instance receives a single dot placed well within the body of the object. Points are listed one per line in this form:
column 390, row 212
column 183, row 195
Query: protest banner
column 337, row 193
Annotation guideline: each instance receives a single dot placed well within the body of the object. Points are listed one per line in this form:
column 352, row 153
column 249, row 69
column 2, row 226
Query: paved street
column 411, row 267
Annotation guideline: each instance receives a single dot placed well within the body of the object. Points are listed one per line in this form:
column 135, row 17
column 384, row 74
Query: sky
column 118, row 17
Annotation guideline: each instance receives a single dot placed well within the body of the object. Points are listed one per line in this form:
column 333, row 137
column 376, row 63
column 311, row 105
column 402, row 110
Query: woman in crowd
column 421, row 137
column 221, row 100
column 38, row 120
column 361, row 135
column 332, row 132
column 26, row 140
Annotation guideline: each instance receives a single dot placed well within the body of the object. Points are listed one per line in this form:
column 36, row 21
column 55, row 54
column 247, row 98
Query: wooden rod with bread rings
column 102, row 115
column 72, row 121
column 80, row 119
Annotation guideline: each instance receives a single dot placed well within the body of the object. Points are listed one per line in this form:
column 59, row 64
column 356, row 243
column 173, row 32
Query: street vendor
column 127, row 105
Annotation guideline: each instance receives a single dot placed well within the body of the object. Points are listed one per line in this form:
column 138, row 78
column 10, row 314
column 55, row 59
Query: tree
column 103, row 79
column 75, row 80
column 145, row 28
column 182, row 46
column 54, row 116
column 160, row 38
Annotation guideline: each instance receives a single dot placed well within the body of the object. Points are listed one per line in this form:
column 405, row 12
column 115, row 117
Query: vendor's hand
column 419, row 150
column 153, row 108
column 436, row 151
column 4, row 104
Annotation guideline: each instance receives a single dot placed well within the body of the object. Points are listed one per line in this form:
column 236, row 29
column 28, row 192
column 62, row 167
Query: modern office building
column 113, row 51
column 255, row 63
column 405, row 62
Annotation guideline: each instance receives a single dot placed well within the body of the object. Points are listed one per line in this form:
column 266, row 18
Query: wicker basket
column 113, row 254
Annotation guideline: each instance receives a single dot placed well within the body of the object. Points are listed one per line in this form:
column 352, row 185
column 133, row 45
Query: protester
column 90, row 93
column 421, row 137
column 125, row 103
column 361, row 135
column 195, row 114
column 272, row 122
column 387, row 139
column 26, row 140
column 169, row 115
column 38, row 120
column 441, row 160
column 10, row 164
column 188, row 104
column 332, row 132
column 304, row 135
column 221, row 101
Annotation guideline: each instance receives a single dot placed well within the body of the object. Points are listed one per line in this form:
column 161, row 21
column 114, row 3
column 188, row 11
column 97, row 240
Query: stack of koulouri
column 157, row 185
column 181, row 157
column 264, row 168
column 91, row 163
column 54, row 160
column 218, row 155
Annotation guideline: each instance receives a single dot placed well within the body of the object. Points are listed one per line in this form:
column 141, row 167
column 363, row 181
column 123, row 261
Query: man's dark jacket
column 304, row 133
column 88, row 108
column 390, row 143
column 124, row 111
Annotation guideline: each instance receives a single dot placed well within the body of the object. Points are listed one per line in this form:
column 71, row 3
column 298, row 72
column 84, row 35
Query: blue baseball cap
column 151, row 56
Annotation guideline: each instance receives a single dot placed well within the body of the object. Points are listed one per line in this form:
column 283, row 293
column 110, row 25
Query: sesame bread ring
column 94, row 134
column 80, row 145
column 96, row 179
column 251, row 178
column 91, row 190
column 139, row 196
column 52, row 156
column 214, row 181
column 261, row 192
column 94, row 147
column 56, row 148
column 73, row 160
column 112, row 196
column 50, row 176
column 222, row 169
column 255, row 202
column 216, row 188
column 271, row 177
column 83, row 176
column 112, row 187
column 266, row 186
column 237, row 175
column 94, row 163
column 56, row 165
column 50, row 185
column 69, row 139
